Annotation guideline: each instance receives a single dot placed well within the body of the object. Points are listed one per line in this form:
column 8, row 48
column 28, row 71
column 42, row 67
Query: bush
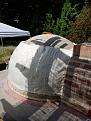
column 81, row 30
column 49, row 23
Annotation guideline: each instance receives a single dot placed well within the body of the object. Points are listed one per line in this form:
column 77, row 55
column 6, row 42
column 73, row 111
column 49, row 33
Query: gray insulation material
column 51, row 40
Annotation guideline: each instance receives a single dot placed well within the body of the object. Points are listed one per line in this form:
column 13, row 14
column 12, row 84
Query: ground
column 14, row 107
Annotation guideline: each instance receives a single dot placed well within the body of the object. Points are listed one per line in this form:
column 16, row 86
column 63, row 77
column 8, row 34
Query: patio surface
column 14, row 107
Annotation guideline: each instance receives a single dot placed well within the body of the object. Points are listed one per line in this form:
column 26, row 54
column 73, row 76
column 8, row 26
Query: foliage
column 67, row 16
column 49, row 24
column 61, row 25
column 5, row 53
column 64, row 18
column 81, row 29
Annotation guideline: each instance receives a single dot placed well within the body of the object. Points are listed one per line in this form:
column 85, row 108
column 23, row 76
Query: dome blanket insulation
column 38, row 69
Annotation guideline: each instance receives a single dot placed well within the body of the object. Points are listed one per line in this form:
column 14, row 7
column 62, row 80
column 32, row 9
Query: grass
column 5, row 53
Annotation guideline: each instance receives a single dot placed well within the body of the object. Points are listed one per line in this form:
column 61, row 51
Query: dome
column 37, row 66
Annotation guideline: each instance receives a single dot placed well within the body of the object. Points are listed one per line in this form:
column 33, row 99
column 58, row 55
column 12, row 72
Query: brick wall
column 77, row 83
